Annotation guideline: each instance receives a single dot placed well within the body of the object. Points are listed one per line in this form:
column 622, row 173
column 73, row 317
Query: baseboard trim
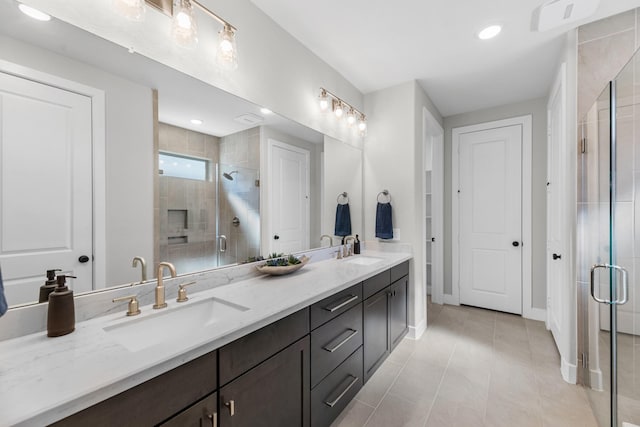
column 415, row 332
column 535, row 314
column 596, row 380
column 569, row 371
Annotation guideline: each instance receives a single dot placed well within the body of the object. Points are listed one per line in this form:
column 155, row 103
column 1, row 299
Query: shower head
column 228, row 175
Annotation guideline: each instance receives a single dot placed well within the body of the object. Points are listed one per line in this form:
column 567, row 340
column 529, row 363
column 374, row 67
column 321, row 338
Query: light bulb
column 362, row 126
column 184, row 28
column 351, row 117
column 323, row 99
column 489, row 32
column 33, row 13
column 338, row 110
column 133, row 10
column 227, row 53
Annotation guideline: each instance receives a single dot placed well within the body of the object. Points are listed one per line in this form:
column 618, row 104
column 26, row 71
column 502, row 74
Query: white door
column 557, row 277
column 289, row 198
column 45, row 186
column 490, row 200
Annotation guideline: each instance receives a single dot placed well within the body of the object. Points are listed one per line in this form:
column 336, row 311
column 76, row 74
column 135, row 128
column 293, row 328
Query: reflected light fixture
column 133, row 10
column 489, row 32
column 184, row 27
column 33, row 13
column 339, row 106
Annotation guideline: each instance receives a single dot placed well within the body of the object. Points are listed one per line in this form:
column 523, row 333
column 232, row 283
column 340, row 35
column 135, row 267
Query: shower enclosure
column 609, row 250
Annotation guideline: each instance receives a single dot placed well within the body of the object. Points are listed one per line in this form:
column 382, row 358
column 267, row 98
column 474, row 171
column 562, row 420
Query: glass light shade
column 351, row 117
column 184, row 28
column 362, row 126
column 338, row 109
column 323, row 100
column 227, row 53
column 133, row 10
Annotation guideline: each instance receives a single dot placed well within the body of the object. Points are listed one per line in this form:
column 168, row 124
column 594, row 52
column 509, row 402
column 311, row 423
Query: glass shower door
column 609, row 203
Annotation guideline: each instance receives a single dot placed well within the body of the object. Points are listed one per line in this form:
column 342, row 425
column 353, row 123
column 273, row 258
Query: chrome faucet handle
column 133, row 309
column 182, row 292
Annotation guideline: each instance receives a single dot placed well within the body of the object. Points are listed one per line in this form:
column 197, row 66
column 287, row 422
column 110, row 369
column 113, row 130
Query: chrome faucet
column 328, row 237
column 160, row 302
column 143, row 265
column 348, row 252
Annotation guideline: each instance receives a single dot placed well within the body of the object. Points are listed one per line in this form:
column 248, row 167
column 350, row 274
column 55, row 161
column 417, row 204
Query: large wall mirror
column 106, row 155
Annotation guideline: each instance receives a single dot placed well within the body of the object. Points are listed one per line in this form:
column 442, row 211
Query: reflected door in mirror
column 46, row 182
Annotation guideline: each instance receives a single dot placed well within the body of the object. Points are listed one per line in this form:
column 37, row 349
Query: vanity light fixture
column 339, row 107
column 184, row 27
column 33, row 13
column 489, row 32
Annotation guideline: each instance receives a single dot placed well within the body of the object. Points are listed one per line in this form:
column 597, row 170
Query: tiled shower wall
column 240, row 198
column 191, row 203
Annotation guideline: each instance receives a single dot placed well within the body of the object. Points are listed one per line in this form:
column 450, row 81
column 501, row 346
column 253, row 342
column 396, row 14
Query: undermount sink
column 364, row 260
column 157, row 326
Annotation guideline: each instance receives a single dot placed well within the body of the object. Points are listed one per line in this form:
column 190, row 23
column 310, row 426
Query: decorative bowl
column 282, row 270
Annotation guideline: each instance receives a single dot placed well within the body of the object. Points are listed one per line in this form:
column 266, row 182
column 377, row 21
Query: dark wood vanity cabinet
column 201, row 414
column 385, row 320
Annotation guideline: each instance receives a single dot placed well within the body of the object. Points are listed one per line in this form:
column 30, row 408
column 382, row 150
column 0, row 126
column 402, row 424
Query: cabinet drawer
column 399, row 271
column 334, row 341
column 374, row 284
column 333, row 394
column 330, row 307
column 246, row 352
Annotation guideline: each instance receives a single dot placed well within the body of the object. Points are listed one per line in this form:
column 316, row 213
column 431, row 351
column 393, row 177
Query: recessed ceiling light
column 489, row 32
column 33, row 13
column 265, row 111
column 196, row 121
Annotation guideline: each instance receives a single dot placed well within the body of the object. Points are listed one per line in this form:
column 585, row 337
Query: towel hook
column 345, row 196
column 384, row 193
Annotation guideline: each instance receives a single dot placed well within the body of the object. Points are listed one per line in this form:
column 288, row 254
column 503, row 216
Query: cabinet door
column 274, row 393
column 398, row 311
column 201, row 414
column 376, row 332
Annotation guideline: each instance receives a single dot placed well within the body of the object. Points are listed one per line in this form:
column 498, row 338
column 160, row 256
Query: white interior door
column 490, row 215
column 45, row 186
column 289, row 197
column 557, row 264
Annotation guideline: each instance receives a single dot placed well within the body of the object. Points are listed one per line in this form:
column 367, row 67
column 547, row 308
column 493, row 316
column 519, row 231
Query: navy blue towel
column 343, row 220
column 384, row 225
column 3, row 300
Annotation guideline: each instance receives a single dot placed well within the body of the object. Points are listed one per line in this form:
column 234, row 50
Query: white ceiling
column 377, row 44
column 180, row 97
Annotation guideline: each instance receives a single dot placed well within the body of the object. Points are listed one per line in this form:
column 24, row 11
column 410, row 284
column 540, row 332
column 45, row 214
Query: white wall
column 537, row 108
column 128, row 207
column 342, row 172
column 275, row 70
column 393, row 154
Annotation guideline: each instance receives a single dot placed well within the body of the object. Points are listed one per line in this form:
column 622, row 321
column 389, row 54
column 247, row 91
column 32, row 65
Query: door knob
column 556, row 256
column 276, row 237
column 83, row 259
column 515, row 244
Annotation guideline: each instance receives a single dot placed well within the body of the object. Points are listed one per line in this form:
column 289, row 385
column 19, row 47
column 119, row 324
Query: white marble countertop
column 43, row 379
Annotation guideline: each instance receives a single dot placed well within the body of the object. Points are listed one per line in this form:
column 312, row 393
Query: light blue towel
column 3, row 300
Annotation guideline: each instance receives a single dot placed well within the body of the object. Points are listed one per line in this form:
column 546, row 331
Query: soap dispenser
column 61, row 317
column 48, row 286
column 356, row 246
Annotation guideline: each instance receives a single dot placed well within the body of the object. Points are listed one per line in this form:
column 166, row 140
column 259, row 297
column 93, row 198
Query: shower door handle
column 223, row 243
column 625, row 284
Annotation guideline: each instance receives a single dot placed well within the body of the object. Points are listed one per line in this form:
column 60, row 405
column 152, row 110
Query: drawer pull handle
column 213, row 418
column 232, row 407
column 349, row 299
column 335, row 401
column 352, row 333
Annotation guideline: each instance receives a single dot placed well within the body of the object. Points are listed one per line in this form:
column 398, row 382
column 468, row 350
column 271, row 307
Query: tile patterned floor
column 472, row 367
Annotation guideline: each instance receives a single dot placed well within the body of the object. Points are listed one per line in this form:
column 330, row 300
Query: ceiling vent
column 249, row 119
column 556, row 13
